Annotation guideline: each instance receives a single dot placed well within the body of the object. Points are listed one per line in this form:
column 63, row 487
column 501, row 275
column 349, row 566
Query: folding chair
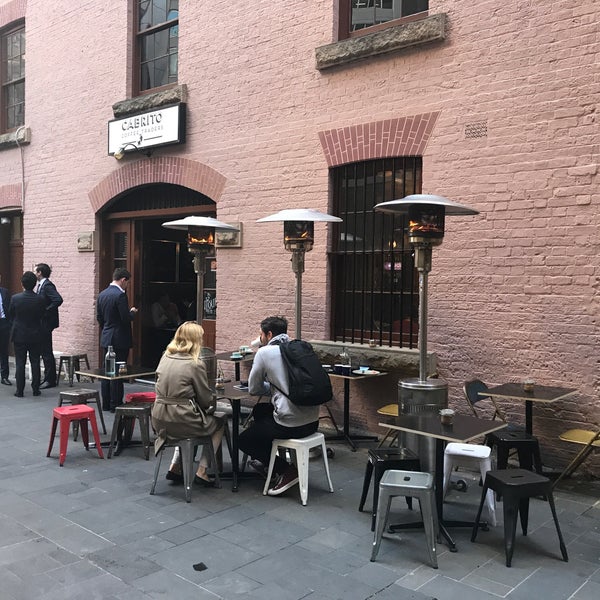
column 588, row 439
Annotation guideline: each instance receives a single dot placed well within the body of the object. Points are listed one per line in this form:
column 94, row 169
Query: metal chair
column 590, row 440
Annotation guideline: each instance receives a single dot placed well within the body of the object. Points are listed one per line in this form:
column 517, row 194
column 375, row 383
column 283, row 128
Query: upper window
column 375, row 283
column 359, row 15
column 157, row 42
column 13, row 79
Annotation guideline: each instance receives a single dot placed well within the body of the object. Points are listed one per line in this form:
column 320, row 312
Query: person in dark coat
column 115, row 316
column 26, row 313
column 47, row 290
column 4, row 335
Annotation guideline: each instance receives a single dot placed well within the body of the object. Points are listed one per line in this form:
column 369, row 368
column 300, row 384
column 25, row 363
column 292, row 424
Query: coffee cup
column 337, row 369
column 346, row 369
column 363, row 368
column 245, row 350
column 236, row 355
column 528, row 385
column 446, row 416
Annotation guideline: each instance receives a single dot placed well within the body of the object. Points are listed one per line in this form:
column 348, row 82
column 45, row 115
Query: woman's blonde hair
column 187, row 340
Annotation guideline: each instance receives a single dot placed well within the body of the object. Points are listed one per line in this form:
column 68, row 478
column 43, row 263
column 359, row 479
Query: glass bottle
column 109, row 362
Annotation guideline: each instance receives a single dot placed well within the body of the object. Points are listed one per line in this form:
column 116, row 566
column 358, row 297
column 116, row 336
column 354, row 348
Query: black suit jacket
column 26, row 313
column 5, row 301
column 114, row 316
column 53, row 300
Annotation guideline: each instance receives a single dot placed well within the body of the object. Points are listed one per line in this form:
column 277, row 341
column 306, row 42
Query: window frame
column 139, row 36
column 381, row 300
column 344, row 20
column 5, row 32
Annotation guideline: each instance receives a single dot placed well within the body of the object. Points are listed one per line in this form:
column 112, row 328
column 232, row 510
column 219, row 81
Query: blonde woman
column 184, row 401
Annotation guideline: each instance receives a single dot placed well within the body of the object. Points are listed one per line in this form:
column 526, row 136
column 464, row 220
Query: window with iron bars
column 376, row 292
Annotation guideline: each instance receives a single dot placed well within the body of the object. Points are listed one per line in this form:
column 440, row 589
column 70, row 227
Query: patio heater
column 298, row 238
column 426, row 219
column 201, row 240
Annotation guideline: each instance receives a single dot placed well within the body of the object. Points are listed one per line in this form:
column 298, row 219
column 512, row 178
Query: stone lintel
column 148, row 102
column 405, row 35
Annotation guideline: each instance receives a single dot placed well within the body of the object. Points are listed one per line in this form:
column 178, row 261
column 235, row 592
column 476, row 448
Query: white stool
column 411, row 484
column 301, row 447
column 472, row 456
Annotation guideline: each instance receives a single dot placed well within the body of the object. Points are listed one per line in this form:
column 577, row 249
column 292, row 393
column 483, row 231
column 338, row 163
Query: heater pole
column 199, row 268
column 423, row 265
column 298, row 268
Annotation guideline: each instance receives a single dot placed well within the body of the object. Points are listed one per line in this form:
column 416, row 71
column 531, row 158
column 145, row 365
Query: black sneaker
column 284, row 482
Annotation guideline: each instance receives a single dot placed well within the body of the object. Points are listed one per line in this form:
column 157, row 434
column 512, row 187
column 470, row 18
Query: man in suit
column 26, row 313
column 47, row 290
column 115, row 316
column 4, row 335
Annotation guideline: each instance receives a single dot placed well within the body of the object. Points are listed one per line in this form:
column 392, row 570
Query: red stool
column 140, row 397
column 67, row 414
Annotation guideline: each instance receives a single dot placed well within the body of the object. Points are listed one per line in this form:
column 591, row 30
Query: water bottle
column 109, row 362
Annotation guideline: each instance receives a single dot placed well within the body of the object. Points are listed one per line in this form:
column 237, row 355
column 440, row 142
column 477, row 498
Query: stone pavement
column 91, row 530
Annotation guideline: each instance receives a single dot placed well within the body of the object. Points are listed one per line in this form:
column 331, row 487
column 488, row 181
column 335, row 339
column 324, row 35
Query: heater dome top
column 402, row 205
column 300, row 214
column 193, row 221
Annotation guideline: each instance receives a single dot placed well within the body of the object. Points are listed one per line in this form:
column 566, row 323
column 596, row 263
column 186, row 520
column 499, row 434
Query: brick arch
column 162, row 169
column 406, row 136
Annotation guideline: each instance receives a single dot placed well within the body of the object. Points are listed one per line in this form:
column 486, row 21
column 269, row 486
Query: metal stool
column 407, row 483
column 140, row 397
column 380, row 460
column 81, row 396
column 301, row 448
column 71, row 362
column 124, row 423
column 65, row 415
column 526, row 445
column 187, row 448
column 472, row 456
column 516, row 487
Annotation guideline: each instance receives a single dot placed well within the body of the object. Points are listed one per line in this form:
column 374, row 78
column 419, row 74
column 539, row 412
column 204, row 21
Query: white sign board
column 165, row 125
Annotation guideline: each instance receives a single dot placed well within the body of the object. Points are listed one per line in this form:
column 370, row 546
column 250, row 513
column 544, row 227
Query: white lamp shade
column 300, row 214
column 401, row 206
column 192, row 221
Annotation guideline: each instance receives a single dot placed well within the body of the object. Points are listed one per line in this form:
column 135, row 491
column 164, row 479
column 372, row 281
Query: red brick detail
column 10, row 196
column 406, row 136
column 163, row 169
column 12, row 12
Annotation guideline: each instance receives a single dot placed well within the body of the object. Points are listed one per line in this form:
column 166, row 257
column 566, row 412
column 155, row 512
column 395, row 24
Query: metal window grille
column 375, row 282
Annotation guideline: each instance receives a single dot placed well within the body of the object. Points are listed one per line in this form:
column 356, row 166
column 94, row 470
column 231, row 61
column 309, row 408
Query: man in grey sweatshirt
column 279, row 419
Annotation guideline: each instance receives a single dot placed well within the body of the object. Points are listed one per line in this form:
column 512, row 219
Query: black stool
column 526, row 445
column 82, row 396
column 125, row 416
column 382, row 459
column 516, row 487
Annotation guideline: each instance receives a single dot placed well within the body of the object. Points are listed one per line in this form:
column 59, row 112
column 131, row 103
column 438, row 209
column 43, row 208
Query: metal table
column 247, row 359
column 541, row 393
column 345, row 434
column 464, row 429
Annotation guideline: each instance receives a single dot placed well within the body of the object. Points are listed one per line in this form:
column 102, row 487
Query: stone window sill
column 391, row 39
column 13, row 139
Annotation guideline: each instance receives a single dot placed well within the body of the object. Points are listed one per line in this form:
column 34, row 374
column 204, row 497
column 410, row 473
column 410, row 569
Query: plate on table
column 369, row 372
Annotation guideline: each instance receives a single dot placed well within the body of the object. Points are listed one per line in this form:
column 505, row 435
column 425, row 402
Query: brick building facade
column 498, row 102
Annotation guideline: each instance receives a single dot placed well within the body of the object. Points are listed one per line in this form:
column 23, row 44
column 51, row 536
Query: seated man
column 164, row 312
column 280, row 419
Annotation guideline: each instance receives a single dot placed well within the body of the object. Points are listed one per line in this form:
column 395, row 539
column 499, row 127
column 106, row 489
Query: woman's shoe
column 204, row 482
column 174, row 477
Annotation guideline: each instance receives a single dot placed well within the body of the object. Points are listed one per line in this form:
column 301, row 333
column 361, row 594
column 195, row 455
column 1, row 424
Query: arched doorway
column 132, row 236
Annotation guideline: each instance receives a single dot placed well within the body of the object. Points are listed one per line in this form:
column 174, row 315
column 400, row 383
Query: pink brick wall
column 513, row 291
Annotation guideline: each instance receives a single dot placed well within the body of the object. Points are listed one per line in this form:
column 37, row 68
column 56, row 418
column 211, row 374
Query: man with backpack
column 280, row 418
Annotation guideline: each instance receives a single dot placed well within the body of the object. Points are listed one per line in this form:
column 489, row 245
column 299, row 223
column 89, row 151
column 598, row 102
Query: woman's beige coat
column 184, row 400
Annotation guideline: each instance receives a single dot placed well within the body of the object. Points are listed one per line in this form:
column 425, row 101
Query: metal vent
column 476, row 130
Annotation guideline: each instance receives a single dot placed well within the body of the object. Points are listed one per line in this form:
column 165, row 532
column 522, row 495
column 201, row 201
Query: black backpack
column 308, row 381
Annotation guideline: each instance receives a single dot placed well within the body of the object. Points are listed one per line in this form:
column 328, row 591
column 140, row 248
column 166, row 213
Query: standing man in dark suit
column 4, row 335
column 26, row 313
column 47, row 290
column 115, row 316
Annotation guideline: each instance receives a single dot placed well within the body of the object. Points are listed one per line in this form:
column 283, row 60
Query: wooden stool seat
column 65, row 415
column 71, row 363
column 124, row 423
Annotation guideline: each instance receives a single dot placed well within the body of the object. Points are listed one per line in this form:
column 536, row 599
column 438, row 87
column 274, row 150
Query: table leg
column 345, row 435
column 235, row 432
column 529, row 416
